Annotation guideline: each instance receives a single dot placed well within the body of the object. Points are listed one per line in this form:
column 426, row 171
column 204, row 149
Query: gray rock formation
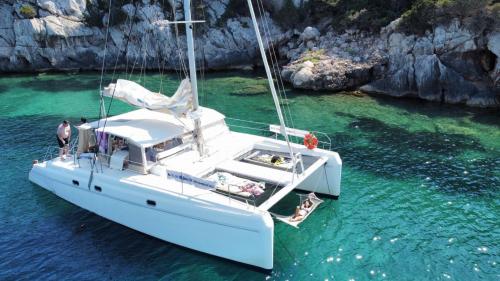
column 452, row 64
column 331, row 62
column 60, row 37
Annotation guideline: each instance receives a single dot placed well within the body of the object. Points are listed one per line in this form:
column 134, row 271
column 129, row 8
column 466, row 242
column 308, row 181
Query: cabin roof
column 145, row 127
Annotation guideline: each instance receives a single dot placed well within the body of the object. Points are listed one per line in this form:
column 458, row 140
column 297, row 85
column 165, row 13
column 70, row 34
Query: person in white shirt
column 63, row 136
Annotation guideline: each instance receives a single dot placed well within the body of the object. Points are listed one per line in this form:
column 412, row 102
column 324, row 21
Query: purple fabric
column 102, row 140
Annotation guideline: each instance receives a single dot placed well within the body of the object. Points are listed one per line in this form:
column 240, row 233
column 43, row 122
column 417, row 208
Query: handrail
column 54, row 150
column 324, row 141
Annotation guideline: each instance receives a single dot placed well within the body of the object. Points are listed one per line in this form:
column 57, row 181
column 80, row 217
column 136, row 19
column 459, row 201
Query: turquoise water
column 420, row 190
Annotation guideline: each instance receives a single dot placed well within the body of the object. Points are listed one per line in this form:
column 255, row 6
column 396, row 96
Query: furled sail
column 136, row 95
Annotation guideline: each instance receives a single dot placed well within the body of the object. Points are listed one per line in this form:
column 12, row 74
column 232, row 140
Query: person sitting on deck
column 63, row 136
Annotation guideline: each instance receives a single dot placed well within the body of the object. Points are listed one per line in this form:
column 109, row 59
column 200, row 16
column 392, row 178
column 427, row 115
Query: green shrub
column 368, row 15
column 425, row 14
column 27, row 11
column 312, row 56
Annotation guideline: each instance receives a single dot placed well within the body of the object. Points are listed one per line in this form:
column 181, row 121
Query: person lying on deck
column 253, row 188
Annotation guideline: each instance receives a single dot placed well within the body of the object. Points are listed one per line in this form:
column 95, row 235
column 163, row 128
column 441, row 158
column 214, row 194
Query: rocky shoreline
column 450, row 64
column 453, row 63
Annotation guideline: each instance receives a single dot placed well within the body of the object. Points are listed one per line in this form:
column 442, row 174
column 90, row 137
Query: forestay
column 136, row 95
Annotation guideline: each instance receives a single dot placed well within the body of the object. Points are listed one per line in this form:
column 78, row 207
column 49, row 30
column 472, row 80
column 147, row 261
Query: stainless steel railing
column 52, row 151
column 262, row 129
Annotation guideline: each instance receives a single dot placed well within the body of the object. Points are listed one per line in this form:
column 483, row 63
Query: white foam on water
column 482, row 249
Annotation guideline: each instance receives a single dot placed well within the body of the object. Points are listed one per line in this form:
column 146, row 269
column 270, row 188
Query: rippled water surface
column 420, row 191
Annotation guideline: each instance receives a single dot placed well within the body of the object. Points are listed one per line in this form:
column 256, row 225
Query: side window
column 172, row 143
column 162, row 150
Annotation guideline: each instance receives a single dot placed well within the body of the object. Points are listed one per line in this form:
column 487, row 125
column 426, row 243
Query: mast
column 192, row 73
column 271, row 82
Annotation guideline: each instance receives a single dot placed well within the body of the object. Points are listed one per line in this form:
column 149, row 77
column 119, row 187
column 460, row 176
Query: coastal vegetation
column 417, row 15
column 372, row 15
column 313, row 56
column 27, row 11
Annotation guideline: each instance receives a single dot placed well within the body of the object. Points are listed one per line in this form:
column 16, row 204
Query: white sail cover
column 135, row 94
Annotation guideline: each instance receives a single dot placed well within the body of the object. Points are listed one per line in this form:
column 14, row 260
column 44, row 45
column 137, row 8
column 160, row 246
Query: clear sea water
column 420, row 190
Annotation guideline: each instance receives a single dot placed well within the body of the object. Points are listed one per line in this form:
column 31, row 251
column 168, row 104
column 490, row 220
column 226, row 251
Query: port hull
column 242, row 236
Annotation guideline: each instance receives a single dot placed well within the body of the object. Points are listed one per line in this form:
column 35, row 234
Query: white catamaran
column 174, row 170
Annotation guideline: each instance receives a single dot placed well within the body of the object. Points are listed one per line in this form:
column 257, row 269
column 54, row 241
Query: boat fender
column 310, row 141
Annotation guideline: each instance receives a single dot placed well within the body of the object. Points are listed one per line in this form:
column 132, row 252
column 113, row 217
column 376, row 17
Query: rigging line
column 267, row 35
column 101, row 99
column 202, row 57
column 101, row 103
column 133, row 66
column 137, row 58
column 144, row 58
column 274, row 57
column 118, row 56
column 158, row 53
column 180, row 54
column 178, row 69
column 112, row 97
column 276, row 64
column 327, row 181
column 128, row 39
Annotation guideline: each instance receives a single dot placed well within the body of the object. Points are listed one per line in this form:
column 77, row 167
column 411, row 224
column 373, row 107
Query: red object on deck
column 310, row 141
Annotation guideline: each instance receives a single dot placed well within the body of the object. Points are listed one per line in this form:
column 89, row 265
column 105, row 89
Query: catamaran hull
column 206, row 229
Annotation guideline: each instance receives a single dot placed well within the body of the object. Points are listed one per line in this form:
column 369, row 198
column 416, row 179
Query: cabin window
column 161, row 150
column 135, row 154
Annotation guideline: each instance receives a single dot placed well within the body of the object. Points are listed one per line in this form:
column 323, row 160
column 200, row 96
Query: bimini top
column 145, row 128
